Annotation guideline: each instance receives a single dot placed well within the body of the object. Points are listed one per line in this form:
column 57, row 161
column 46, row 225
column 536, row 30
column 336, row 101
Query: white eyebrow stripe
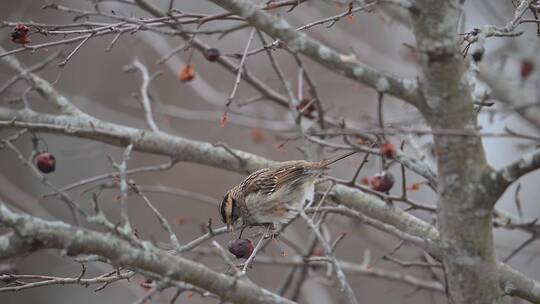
column 228, row 207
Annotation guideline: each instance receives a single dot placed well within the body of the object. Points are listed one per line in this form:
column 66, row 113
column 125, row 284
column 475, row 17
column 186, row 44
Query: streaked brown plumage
column 273, row 195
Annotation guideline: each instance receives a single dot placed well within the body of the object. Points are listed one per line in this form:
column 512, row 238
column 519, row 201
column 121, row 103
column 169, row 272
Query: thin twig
column 254, row 253
column 72, row 205
column 122, row 167
column 157, row 288
column 161, row 167
column 163, row 222
column 518, row 201
column 83, row 41
column 145, row 97
column 519, row 248
column 342, row 279
column 240, row 68
column 221, row 251
column 196, row 242
column 48, row 280
column 407, row 264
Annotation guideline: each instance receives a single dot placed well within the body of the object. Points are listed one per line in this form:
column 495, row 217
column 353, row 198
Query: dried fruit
column 211, row 54
column 45, row 162
column 365, row 181
column 527, row 66
column 415, row 186
column 187, row 73
column 271, row 7
column 241, row 248
column 317, row 253
column 223, row 121
column 20, row 34
column 388, row 149
column 306, row 107
column 179, row 220
column 146, row 284
column 382, row 182
column 477, row 55
column 280, row 147
column 257, row 135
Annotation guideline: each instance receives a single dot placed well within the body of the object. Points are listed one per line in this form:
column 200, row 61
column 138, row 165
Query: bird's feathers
column 270, row 180
column 274, row 194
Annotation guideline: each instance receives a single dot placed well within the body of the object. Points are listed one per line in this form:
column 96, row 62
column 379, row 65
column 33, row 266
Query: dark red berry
column 241, row 248
column 365, row 181
column 382, row 182
column 306, row 107
column 527, row 66
column 477, row 55
column 211, row 54
column 45, row 162
column 146, row 284
column 20, row 34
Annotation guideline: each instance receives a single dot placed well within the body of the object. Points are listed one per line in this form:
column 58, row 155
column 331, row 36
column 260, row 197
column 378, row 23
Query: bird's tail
column 328, row 162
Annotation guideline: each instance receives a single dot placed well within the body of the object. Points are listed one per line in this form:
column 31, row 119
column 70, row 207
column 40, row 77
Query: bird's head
column 229, row 210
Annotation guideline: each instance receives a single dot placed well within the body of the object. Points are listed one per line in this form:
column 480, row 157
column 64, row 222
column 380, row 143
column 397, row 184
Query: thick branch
column 497, row 182
column 339, row 63
column 204, row 153
column 33, row 234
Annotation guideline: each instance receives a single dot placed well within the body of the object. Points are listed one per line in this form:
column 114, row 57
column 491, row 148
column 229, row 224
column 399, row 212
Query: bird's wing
column 272, row 179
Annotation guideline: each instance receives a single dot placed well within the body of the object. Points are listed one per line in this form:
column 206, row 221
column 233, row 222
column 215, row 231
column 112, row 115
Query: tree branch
column 204, row 153
column 496, row 182
column 35, row 234
column 339, row 63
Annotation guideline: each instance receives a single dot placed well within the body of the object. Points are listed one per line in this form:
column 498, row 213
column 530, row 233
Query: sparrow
column 272, row 196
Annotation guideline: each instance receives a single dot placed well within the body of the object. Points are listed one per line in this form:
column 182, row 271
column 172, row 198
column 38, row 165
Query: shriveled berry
column 388, row 149
column 20, row 34
column 45, row 162
column 306, row 107
column 527, row 66
column 241, row 248
column 477, row 55
column 146, row 284
column 382, row 182
column 187, row 73
column 365, row 181
column 257, row 135
column 212, row 54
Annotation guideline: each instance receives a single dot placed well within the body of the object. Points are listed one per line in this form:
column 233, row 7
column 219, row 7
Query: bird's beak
column 230, row 226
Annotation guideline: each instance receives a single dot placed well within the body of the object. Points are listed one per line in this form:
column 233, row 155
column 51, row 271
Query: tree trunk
column 464, row 216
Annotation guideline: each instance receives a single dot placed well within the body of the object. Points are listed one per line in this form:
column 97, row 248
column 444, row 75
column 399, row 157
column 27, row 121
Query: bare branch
column 342, row 279
column 498, row 181
column 145, row 98
column 35, row 234
column 339, row 63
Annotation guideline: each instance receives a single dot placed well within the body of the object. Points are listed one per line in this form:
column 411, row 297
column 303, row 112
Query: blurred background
column 94, row 81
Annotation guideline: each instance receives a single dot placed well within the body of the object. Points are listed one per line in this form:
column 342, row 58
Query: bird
column 271, row 196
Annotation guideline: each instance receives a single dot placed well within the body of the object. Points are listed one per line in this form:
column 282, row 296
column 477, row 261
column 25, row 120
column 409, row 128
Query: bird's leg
column 268, row 226
column 242, row 231
column 274, row 229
